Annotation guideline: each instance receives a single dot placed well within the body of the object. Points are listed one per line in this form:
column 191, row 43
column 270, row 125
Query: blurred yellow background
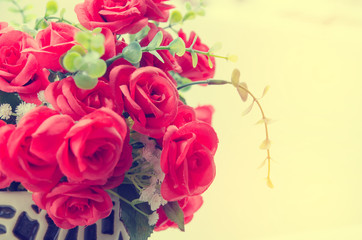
column 310, row 53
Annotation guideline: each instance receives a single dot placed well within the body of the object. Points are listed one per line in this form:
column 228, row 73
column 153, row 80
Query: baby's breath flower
column 41, row 96
column 5, row 111
column 153, row 218
column 22, row 109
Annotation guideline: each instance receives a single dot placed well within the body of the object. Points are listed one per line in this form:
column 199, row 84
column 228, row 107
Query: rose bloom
column 202, row 71
column 70, row 205
column 32, row 149
column 93, row 147
column 68, row 99
column 187, row 160
column 19, row 71
column 125, row 16
column 189, row 206
column 54, row 41
column 150, row 97
column 170, row 63
column 185, row 114
column 204, row 113
column 5, row 131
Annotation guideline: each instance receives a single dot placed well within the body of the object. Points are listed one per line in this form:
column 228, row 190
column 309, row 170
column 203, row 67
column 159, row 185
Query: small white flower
column 5, row 111
column 153, row 218
column 41, row 96
column 22, row 109
column 155, row 202
column 146, row 194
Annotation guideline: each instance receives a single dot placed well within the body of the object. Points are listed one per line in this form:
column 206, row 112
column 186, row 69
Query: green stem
column 128, row 202
column 208, row 82
column 21, row 11
column 111, row 60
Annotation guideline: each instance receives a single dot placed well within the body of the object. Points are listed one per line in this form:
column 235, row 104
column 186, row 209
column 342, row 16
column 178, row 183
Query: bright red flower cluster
column 68, row 155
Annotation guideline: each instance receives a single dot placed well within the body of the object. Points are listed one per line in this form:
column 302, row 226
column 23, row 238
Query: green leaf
column 71, row 61
column 83, row 38
column 189, row 16
column 188, row 6
column 210, row 62
column 157, row 55
column 194, row 59
column 136, row 224
column 241, row 90
column 265, row 144
column 248, row 109
column 97, row 68
column 51, row 8
column 83, row 81
column 29, row 17
column 182, row 99
column 27, row 7
column 176, row 17
column 177, row 46
column 133, row 52
column 141, row 34
column 14, row 10
column 62, row 12
column 266, row 89
column 216, row 47
column 156, row 41
column 200, row 12
column 175, row 214
column 235, row 77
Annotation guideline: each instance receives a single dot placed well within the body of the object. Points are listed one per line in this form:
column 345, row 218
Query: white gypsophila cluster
column 41, row 96
column 5, row 111
column 152, row 193
column 22, row 109
column 153, row 218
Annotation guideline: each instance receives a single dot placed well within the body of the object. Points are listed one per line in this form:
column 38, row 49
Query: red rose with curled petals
column 170, row 63
column 189, row 206
column 121, row 16
column 149, row 97
column 68, row 99
column 19, row 70
column 93, row 147
column 204, row 113
column 33, row 146
column 202, row 71
column 70, row 205
column 187, row 160
column 5, row 131
column 185, row 114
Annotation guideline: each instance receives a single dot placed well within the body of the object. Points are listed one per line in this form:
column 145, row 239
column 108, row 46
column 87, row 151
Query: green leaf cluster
column 84, row 59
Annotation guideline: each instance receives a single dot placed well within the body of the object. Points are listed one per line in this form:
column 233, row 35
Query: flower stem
column 128, row 202
column 21, row 11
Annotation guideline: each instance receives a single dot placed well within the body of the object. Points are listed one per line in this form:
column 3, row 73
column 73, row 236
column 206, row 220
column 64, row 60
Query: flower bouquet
column 95, row 131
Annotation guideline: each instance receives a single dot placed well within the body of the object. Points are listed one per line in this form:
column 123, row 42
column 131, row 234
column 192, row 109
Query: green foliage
column 136, row 224
column 83, row 81
column 156, row 41
column 175, row 17
column 177, row 46
column 51, row 8
column 194, row 59
column 133, row 52
column 72, row 61
column 175, row 214
column 140, row 35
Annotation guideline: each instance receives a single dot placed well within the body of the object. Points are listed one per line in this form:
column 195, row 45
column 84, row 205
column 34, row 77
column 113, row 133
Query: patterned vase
column 21, row 219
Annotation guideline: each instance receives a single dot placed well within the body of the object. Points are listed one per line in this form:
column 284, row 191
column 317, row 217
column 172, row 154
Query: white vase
column 21, row 219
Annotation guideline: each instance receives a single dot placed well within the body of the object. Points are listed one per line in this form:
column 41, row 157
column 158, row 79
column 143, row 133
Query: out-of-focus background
column 310, row 53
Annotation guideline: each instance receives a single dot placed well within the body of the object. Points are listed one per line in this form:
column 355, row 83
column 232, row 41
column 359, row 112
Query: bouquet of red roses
column 94, row 110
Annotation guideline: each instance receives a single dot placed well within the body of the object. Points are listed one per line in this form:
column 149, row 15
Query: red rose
column 185, row 114
column 189, row 206
column 68, row 99
column 93, row 146
column 33, row 146
column 170, row 63
column 19, row 71
column 149, row 97
column 126, row 16
column 70, row 205
column 54, row 41
column 5, row 131
column 187, row 160
column 204, row 113
column 202, row 71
